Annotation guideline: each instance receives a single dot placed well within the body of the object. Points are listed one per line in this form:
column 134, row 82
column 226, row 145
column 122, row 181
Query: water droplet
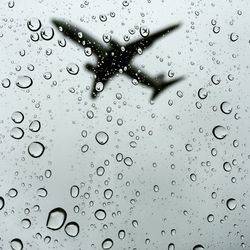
column 42, row 192
column 47, row 33
column 56, row 218
column 74, row 191
column 24, row 82
column 234, row 37
column 36, row 149
column 26, row 223
column 72, row 229
column 2, row 202
column 100, row 171
column 121, row 234
column 144, row 31
column 202, row 93
column 16, row 244
column 198, row 247
column 193, row 177
column 102, row 137
column 85, row 148
column 108, row 193
column 17, row 117
column 72, row 68
column 128, row 161
column 34, row 24
column 100, row 214
column 6, row 83
column 231, row 204
column 107, row 244
column 16, row 133
column 35, row 126
column 215, row 79
column 226, row 107
column 99, row 86
column 219, row 132
column 171, row 246
column 106, row 37
column 227, row 166
column 12, row 192
column 210, row 218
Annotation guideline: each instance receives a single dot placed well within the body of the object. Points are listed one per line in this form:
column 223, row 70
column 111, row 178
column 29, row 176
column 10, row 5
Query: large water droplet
column 16, row 133
column 226, row 107
column 2, row 202
column 35, row 126
column 16, row 244
column 198, row 247
column 36, row 149
column 34, row 24
column 56, row 218
column 17, row 117
column 26, row 223
column 171, row 246
column 6, row 83
column 100, row 214
column 72, row 229
column 231, row 204
column 219, row 132
column 108, row 193
column 47, row 33
column 107, row 243
column 24, row 82
column 102, row 137
column 72, row 68
column 74, row 191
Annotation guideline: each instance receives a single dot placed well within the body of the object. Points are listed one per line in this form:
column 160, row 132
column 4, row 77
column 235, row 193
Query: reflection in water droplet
column 36, row 149
column 34, row 24
column 100, row 214
column 24, row 82
column 231, row 204
column 72, row 229
column 102, row 137
column 72, row 68
column 219, row 132
column 17, row 117
column 56, row 218
column 107, row 243
column 16, row 244
column 16, row 133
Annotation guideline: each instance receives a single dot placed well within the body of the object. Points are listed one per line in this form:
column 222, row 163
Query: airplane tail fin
column 160, row 88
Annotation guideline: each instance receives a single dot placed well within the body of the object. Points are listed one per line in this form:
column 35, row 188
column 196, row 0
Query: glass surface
column 120, row 170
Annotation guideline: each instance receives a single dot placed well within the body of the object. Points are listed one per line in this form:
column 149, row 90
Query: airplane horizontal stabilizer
column 160, row 88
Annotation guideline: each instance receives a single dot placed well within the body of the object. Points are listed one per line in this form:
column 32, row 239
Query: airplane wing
column 78, row 36
column 155, row 83
column 145, row 42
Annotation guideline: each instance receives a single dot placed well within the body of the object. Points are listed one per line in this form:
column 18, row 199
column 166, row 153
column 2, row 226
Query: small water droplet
column 219, row 132
column 107, row 244
column 72, row 229
column 102, row 137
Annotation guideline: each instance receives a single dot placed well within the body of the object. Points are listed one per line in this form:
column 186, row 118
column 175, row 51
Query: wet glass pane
column 124, row 125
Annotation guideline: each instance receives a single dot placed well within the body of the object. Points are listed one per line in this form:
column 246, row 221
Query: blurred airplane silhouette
column 116, row 58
